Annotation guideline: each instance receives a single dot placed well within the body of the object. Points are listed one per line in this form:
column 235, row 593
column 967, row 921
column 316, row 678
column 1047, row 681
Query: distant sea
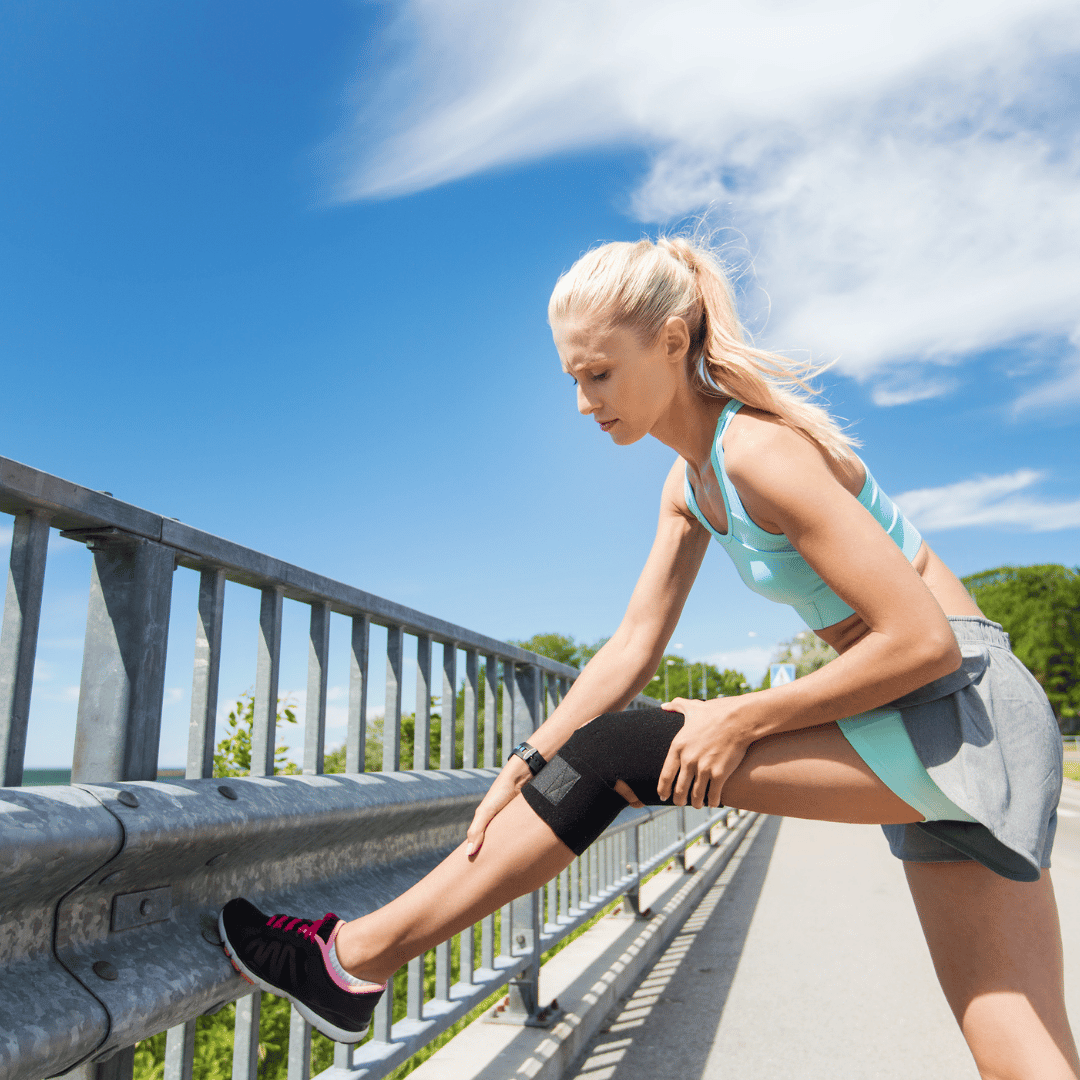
column 49, row 777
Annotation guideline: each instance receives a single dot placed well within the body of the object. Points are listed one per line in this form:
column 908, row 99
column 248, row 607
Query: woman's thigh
column 996, row 947
column 813, row 773
column 810, row 773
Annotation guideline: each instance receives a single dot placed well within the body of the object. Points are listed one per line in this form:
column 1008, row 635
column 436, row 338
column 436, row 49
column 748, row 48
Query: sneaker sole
column 320, row 1023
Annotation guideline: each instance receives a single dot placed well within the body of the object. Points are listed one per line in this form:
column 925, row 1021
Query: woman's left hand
column 706, row 751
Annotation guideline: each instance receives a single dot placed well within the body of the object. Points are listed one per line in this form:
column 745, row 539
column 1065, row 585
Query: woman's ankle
column 354, row 958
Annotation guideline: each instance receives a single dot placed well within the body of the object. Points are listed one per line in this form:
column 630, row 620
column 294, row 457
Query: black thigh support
column 575, row 792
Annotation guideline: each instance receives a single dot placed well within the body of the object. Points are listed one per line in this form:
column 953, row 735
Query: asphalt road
column 807, row 960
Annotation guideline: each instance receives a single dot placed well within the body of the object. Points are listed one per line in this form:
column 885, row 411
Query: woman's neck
column 689, row 427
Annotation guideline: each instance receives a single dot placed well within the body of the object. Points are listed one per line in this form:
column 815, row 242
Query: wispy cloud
column 1062, row 391
column 989, row 500
column 909, row 388
column 905, row 175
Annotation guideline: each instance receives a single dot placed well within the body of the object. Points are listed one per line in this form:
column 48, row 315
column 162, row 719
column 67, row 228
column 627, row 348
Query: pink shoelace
column 305, row 928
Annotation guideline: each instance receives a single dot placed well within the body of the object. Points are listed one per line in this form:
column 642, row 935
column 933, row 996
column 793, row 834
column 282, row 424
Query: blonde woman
column 925, row 724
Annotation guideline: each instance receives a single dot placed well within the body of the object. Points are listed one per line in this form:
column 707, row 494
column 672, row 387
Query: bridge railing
column 110, row 886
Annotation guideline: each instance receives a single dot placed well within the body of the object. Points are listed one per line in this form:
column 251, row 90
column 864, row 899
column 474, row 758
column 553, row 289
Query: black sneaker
column 290, row 957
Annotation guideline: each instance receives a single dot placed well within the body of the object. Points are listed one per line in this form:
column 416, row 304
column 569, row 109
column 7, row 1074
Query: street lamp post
column 667, row 692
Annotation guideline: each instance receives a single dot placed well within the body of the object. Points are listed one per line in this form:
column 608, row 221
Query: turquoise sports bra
column 770, row 564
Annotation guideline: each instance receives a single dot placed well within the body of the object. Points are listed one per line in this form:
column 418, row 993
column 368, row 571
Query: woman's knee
column 629, row 746
column 582, row 789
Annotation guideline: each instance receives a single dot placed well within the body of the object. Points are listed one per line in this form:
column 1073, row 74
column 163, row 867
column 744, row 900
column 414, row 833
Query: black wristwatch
column 530, row 755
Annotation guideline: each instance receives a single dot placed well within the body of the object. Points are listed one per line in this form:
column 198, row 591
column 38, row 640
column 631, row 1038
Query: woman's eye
column 600, row 376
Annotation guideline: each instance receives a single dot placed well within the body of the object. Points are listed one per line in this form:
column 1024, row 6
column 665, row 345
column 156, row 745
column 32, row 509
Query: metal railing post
column 204, row 683
column 264, row 724
column 391, row 745
column 299, row 1064
column 681, row 825
column 422, row 727
column 491, row 710
column 448, row 707
column 18, row 639
column 245, row 1061
column 525, row 915
column 180, row 1052
column 118, row 723
column 356, row 732
column 469, row 720
column 315, row 705
column 633, row 866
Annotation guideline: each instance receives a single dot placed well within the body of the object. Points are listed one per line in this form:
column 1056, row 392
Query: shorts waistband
column 976, row 630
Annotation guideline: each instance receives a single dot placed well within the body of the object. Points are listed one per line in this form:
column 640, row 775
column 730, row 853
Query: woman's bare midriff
column 945, row 586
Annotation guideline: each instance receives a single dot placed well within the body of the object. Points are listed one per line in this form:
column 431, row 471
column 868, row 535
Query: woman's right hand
column 515, row 774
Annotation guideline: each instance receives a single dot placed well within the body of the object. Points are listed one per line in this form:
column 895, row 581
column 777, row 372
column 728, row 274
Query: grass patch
column 1072, row 770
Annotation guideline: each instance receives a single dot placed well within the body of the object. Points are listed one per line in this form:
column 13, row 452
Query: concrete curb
column 589, row 978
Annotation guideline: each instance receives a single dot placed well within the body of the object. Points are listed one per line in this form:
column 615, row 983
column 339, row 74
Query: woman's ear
column 675, row 337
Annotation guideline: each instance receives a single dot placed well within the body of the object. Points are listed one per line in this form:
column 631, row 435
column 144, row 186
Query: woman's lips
column 605, row 425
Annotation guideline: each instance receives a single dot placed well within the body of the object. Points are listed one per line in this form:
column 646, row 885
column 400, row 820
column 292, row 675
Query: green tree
column 233, row 754
column 561, row 647
column 684, row 679
column 806, row 651
column 1039, row 607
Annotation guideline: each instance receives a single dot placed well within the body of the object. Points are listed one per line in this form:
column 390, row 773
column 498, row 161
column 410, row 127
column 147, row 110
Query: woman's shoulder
column 761, row 450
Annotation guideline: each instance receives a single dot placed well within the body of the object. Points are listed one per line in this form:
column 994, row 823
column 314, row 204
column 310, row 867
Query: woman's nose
column 583, row 404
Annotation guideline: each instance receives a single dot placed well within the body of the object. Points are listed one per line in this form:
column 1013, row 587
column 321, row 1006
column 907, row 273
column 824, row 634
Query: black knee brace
column 575, row 792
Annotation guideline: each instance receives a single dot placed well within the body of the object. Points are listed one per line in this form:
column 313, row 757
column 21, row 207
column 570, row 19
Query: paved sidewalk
column 806, row 960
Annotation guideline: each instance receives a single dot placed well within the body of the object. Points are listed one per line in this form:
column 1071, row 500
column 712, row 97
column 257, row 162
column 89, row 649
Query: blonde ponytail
column 642, row 285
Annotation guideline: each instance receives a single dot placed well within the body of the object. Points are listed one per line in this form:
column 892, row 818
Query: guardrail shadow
column 668, row 1025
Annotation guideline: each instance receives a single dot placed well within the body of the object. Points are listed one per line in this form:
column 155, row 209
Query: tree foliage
column 684, row 678
column 232, row 757
column 1039, row 607
column 561, row 648
column 694, row 679
column 806, row 651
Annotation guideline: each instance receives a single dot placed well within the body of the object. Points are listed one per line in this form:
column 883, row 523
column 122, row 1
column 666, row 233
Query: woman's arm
column 624, row 665
column 786, row 484
column 907, row 641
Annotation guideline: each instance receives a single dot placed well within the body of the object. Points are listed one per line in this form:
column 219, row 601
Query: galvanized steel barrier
column 111, row 886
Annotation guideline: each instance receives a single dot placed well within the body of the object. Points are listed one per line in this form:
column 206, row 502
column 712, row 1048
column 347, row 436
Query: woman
column 925, row 723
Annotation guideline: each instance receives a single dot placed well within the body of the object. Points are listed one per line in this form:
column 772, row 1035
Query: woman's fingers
column 697, row 796
column 669, row 772
column 715, row 789
column 492, row 803
column 680, row 796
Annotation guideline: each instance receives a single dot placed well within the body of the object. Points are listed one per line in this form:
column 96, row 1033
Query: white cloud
column 1060, row 392
column 752, row 661
column 988, row 500
column 909, row 389
column 906, row 176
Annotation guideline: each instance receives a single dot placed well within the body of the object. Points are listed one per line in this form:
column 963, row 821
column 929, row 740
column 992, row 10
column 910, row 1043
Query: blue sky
column 281, row 271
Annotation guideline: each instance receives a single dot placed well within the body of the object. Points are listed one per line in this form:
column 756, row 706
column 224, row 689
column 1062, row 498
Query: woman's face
column 626, row 387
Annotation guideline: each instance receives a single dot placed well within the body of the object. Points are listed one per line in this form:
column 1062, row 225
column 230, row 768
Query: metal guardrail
column 110, row 886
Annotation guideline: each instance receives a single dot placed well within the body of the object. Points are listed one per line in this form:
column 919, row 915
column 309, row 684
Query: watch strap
column 530, row 755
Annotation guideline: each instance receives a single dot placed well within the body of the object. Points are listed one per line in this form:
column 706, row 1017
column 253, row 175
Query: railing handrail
column 73, row 508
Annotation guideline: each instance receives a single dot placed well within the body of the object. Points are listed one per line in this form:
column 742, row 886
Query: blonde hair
column 640, row 286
